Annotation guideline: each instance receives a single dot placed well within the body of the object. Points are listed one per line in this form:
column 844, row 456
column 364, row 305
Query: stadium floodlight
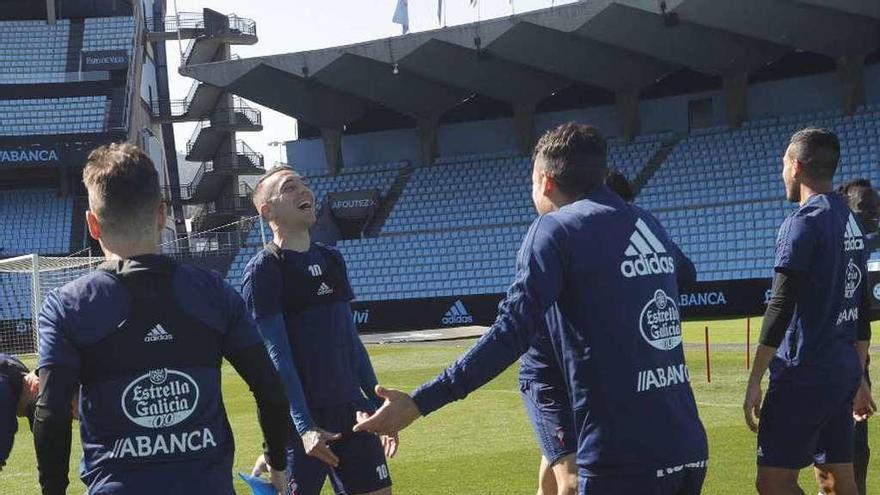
column 24, row 283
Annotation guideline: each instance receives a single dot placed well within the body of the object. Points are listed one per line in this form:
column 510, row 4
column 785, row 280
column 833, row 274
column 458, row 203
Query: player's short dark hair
column 818, row 150
column 847, row 189
column 575, row 157
column 617, row 182
column 123, row 187
column 259, row 194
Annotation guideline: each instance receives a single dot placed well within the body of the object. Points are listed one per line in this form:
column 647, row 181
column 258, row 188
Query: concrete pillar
column 736, row 99
column 332, row 138
column 50, row 12
column 851, row 69
column 524, row 126
column 428, row 139
column 628, row 112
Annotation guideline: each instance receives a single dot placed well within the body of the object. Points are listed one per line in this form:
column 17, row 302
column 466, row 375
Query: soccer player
column 864, row 201
column 143, row 338
column 299, row 294
column 596, row 276
column 812, row 339
column 18, row 394
column 542, row 386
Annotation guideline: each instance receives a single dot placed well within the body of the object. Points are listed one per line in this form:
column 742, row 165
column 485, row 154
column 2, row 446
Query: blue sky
column 297, row 25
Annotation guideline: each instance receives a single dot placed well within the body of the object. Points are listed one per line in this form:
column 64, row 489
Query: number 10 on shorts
column 382, row 472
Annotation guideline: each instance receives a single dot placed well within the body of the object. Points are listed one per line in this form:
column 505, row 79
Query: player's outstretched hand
column 752, row 405
column 398, row 412
column 315, row 443
column 389, row 442
column 863, row 404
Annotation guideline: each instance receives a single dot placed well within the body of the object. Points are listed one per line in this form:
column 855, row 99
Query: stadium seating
column 454, row 230
column 378, row 176
column 473, row 191
column 42, row 116
column 457, row 262
column 720, row 192
column 34, row 220
column 108, row 33
column 33, row 51
column 15, row 296
column 456, row 227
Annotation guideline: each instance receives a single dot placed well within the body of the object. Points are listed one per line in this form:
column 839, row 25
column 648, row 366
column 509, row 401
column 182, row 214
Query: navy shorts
column 681, row 480
column 550, row 413
column 803, row 424
column 362, row 467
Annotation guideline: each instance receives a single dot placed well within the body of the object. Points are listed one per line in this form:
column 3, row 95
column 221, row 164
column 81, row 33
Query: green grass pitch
column 484, row 445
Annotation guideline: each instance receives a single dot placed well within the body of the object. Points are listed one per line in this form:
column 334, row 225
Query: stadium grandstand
column 420, row 144
column 80, row 74
column 698, row 100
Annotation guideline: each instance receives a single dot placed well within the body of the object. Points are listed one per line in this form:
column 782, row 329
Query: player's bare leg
column 778, row 481
column 565, row 474
column 836, row 479
column 546, row 478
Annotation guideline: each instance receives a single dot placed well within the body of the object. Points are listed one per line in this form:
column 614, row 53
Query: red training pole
column 708, row 365
column 748, row 342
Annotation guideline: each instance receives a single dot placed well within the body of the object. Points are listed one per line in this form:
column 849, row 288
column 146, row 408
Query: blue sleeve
column 278, row 346
column 56, row 349
column 795, row 244
column 8, row 421
column 261, row 288
column 540, row 268
column 241, row 332
column 366, row 373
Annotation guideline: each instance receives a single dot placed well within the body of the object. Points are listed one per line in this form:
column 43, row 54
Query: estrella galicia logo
column 853, row 279
column 660, row 322
column 160, row 398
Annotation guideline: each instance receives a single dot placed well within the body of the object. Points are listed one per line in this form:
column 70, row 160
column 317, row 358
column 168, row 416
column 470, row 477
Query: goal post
column 26, row 280
column 24, row 283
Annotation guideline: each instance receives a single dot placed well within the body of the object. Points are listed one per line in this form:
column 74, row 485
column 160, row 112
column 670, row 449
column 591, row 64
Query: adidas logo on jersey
column 158, row 334
column 457, row 314
column 647, row 254
column 853, row 240
column 324, row 289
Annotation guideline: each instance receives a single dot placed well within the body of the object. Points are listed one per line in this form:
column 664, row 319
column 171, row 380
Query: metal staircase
column 219, row 117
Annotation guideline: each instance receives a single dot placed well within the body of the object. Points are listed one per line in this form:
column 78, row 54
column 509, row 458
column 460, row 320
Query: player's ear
column 797, row 168
column 548, row 184
column 161, row 215
column 264, row 210
column 93, row 225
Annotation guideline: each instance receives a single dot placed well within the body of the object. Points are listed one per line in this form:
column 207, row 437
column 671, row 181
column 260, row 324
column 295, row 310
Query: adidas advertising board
column 702, row 300
column 457, row 315
column 645, row 254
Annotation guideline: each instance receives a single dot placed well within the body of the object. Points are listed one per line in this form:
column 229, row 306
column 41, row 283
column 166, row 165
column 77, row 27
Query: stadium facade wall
column 774, row 98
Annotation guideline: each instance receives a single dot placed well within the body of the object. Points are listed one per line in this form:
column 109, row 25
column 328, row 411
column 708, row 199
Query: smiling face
column 284, row 199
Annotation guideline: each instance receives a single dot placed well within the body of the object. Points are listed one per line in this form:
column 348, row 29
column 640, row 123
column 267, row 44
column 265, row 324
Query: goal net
column 26, row 280
column 24, row 283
